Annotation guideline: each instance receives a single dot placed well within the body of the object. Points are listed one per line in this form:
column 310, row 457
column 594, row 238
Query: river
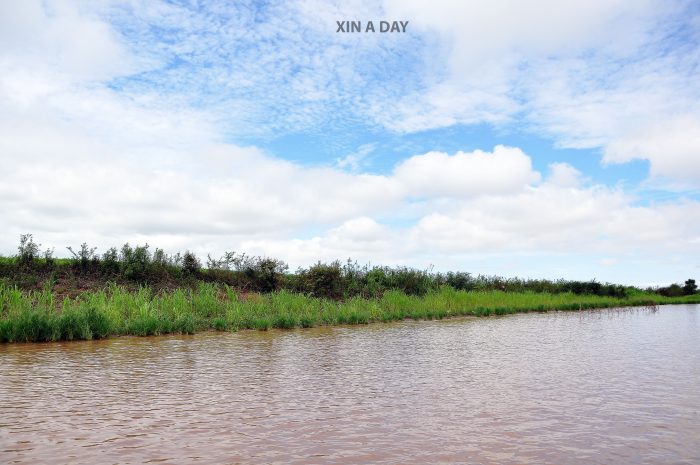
column 595, row 387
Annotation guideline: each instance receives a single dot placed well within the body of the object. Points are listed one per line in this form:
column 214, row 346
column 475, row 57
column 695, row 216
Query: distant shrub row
column 336, row 280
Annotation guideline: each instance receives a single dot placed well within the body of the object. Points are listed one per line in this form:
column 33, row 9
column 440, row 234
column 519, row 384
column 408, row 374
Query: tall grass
column 31, row 316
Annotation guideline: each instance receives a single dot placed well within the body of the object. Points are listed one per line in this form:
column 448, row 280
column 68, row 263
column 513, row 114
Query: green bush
column 190, row 263
column 264, row 274
column 135, row 262
column 322, row 280
column 674, row 290
column 110, row 261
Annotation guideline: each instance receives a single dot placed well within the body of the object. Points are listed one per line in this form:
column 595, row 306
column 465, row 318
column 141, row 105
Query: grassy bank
column 142, row 291
column 42, row 315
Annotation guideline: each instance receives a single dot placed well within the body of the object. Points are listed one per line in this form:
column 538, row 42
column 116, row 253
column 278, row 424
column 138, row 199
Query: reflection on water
column 592, row 387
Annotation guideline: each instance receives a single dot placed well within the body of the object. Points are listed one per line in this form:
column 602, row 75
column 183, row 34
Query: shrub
column 223, row 263
column 457, row 280
column 28, row 250
column 190, row 263
column 160, row 258
column 134, row 262
column 322, row 280
column 354, row 278
column 410, row 280
column 374, row 282
column 110, row 260
column 85, row 256
column 674, row 290
column 48, row 258
column 264, row 274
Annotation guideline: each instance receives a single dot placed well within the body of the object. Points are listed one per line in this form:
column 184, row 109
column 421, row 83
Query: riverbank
column 37, row 316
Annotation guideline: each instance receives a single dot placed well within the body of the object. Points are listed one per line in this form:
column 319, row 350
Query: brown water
column 602, row 387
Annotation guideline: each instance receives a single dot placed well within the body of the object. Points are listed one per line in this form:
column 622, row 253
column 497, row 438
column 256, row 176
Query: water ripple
column 608, row 387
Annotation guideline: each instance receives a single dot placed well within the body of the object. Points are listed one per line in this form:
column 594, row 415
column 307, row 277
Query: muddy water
column 602, row 387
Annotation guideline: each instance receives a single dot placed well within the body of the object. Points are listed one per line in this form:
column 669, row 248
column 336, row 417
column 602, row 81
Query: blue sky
column 534, row 139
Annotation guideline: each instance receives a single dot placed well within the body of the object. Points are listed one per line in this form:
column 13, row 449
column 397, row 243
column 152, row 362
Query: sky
column 530, row 138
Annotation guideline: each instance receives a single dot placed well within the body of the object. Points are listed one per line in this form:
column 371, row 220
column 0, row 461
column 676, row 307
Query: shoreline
column 457, row 317
column 41, row 316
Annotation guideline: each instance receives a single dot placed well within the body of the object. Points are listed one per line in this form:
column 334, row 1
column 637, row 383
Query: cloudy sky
column 534, row 138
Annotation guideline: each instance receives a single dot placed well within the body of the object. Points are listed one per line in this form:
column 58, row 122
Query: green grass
column 41, row 316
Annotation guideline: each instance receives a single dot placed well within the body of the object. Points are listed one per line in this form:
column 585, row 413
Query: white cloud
column 354, row 161
column 507, row 169
column 613, row 75
column 546, row 224
column 563, row 175
column 490, row 44
column 672, row 146
column 605, row 74
column 645, row 109
column 55, row 35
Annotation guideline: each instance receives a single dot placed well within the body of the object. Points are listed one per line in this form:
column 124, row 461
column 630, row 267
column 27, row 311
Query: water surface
column 601, row 387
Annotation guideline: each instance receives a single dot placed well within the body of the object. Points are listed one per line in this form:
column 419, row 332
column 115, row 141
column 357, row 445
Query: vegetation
column 41, row 316
column 135, row 291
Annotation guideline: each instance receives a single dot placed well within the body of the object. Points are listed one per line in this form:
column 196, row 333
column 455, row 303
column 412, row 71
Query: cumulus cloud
column 506, row 169
column 242, row 199
column 672, row 146
column 563, row 175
